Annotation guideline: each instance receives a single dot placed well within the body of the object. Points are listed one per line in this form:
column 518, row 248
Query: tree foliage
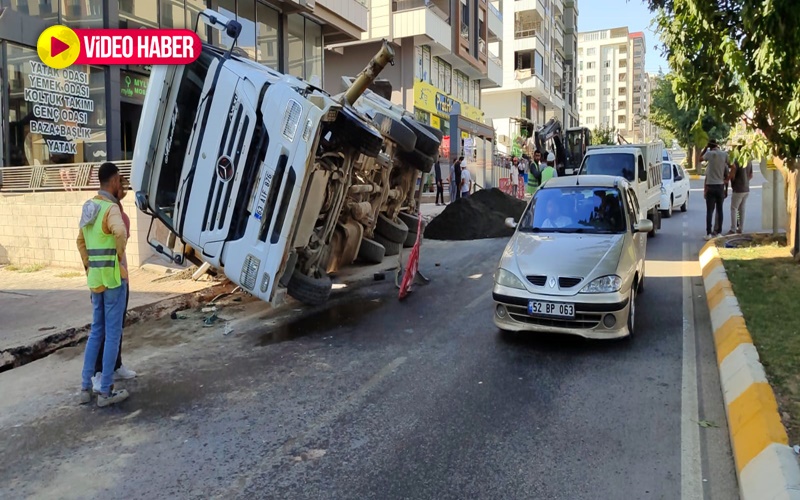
column 681, row 121
column 603, row 134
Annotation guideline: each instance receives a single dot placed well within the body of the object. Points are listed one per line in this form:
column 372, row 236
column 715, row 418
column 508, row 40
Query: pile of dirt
column 480, row 216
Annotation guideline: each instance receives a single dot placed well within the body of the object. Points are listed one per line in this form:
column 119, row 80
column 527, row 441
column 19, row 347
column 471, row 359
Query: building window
column 621, row 119
column 538, row 63
column 172, row 14
column 435, row 72
column 305, row 48
column 591, row 65
column 591, row 51
column 623, row 63
column 590, row 106
column 246, row 15
column 418, row 63
column 296, row 39
column 607, row 64
column 81, row 13
column 35, row 136
column 43, row 9
column 606, row 78
column 138, row 14
column 590, row 92
column 448, row 78
column 267, row 36
column 606, row 91
column 591, row 79
column 193, row 9
column 590, row 120
column 426, row 63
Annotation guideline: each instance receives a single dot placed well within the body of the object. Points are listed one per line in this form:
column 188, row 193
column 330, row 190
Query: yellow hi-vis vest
column 102, row 250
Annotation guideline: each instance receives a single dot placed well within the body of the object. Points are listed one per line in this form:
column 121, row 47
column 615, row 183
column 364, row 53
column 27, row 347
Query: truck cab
column 639, row 164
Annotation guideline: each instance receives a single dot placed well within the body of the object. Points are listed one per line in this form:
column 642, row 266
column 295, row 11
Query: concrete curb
column 766, row 466
column 695, row 177
column 17, row 356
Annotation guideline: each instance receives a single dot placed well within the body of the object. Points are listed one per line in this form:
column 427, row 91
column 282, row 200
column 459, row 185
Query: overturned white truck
column 252, row 169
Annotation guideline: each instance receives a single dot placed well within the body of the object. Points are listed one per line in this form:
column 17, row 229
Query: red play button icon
column 57, row 46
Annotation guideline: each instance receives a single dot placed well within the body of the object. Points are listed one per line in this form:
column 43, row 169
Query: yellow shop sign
column 434, row 101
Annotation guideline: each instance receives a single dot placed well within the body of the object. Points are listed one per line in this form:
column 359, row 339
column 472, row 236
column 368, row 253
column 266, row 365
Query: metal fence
column 63, row 177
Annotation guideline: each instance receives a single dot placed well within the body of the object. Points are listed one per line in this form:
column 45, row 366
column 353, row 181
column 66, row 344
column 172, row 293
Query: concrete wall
column 41, row 228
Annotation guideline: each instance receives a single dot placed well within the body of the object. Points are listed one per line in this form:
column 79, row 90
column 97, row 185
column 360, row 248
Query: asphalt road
column 373, row 398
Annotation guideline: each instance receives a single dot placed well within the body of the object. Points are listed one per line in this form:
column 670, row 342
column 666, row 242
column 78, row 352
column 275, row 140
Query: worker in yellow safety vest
column 535, row 177
column 101, row 242
column 550, row 170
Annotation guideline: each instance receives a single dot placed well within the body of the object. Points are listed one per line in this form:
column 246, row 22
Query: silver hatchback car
column 575, row 262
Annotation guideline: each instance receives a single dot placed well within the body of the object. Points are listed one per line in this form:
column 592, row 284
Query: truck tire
column 395, row 131
column 308, row 290
column 435, row 131
column 427, row 143
column 394, row 231
column 371, row 251
column 352, row 130
column 391, row 247
column 410, row 240
column 412, row 221
column 418, row 160
column 655, row 219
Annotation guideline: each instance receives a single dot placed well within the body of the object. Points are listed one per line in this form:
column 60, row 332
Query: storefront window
column 246, row 15
column 296, row 38
column 82, row 13
column 173, row 14
column 193, row 8
column 426, row 63
column 418, row 63
column 421, row 116
column 43, row 9
column 448, row 78
column 268, row 22
column 313, row 50
column 55, row 116
column 228, row 9
column 435, row 72
column 135, row 14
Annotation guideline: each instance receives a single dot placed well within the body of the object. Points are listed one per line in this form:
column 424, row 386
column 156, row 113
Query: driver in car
column 555, row 217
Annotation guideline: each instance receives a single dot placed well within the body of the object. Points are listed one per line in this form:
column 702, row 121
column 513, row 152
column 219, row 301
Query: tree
column 603, row 135
column 740, row 59
column 680, row 121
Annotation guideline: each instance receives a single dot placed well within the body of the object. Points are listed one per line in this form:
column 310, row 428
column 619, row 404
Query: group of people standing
column 532, row 173
column 460, row 181
column 720, row 172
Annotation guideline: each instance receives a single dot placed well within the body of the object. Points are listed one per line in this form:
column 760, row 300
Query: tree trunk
column 792, row 176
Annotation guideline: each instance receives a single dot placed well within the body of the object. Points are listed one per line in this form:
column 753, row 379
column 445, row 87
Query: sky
column 604, row 14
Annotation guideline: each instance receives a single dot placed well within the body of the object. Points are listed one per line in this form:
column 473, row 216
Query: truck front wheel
column 371, row 251
column 308, row 290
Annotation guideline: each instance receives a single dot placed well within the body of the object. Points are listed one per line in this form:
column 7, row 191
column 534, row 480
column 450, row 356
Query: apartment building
column 442, row 63
column 539, row 75
column 612, row 82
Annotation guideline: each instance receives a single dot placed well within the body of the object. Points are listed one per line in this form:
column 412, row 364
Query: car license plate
column 555, row 309
column 262, row 196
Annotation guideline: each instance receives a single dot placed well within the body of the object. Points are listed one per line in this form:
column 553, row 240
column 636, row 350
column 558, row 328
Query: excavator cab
column 577, row 140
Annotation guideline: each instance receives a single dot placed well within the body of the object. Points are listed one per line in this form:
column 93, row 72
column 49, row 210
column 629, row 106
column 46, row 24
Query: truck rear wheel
column 412, row 221
column 391, row 247
column 394, row 231
column 427, row 143
column 656, row 220
column 371, row 251
column 418, row 160
column 308, row 290
column 396, row 131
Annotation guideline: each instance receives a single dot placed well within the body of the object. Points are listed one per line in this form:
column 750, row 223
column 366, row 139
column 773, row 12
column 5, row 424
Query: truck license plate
column 262, row 196
column 554, row 309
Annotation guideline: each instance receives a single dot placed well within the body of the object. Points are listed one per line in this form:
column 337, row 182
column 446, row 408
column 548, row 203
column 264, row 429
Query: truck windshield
column 616, row 164
column 593, row 210
column 183, row 117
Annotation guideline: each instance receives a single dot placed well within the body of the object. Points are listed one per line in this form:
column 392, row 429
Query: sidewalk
column 54, row 303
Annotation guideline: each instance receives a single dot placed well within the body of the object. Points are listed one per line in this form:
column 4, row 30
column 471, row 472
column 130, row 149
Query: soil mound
column 480, row 216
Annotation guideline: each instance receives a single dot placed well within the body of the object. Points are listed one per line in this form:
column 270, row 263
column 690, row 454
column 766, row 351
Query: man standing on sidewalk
column 121, row 372
column 466, row 182
column 437, row 170
column 740, row 185
column 714, row 189
column 455, row 179
column 101, row 243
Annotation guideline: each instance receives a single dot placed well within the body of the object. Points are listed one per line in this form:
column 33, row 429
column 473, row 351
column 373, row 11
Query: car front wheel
column 632, row 313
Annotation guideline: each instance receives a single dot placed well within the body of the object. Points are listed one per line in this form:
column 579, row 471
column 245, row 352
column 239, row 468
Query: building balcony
column 495, row 24
column 412, row 18
column 495, row 72
column 531, row 5
column 529, row 37
column 350, row 16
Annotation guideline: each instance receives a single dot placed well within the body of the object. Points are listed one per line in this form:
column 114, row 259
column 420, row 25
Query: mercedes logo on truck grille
column 225, row 170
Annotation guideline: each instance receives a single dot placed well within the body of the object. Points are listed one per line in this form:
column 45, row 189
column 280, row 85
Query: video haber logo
column 60, row 47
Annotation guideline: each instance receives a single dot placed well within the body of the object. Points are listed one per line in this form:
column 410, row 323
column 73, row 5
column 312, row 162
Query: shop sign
column 436, row 122
column 524, row 107
column 429, row 98
column 61, row 102
column 133, row 87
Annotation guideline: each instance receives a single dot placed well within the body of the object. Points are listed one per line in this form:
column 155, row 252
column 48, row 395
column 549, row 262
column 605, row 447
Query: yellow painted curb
column 714, row 263
column 718, row 292
column 754, row 423
column 731, row 335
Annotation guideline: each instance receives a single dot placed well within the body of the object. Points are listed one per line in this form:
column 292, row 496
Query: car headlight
column 509, row 279
column 604, row 284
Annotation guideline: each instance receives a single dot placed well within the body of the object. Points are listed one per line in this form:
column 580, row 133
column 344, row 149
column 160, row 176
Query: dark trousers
column 439, row 192
column 715, row 196
column 98, row 365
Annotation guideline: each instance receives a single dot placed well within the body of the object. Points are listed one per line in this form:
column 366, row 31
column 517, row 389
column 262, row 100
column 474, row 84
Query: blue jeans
column 109, row 307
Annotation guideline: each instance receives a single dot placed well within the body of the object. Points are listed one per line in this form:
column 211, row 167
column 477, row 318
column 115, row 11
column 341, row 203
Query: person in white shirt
column 466, row 181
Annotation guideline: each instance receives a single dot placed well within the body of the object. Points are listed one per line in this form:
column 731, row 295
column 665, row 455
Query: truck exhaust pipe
column 369, row 74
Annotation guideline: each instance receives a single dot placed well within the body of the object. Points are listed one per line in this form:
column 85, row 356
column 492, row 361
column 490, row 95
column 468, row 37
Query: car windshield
column 666, row 171
column 616, row 164
column 578, row 209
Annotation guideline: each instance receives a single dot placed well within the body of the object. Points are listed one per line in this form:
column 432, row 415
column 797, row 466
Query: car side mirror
column 644, row 226
column 510, row 222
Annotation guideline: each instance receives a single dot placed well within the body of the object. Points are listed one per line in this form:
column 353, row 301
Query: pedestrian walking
column 121, row 372
column 437, row 170
column 740, row 185
column 466, row 182
column 714, row 190
column 101, row 243
column 456, row 178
